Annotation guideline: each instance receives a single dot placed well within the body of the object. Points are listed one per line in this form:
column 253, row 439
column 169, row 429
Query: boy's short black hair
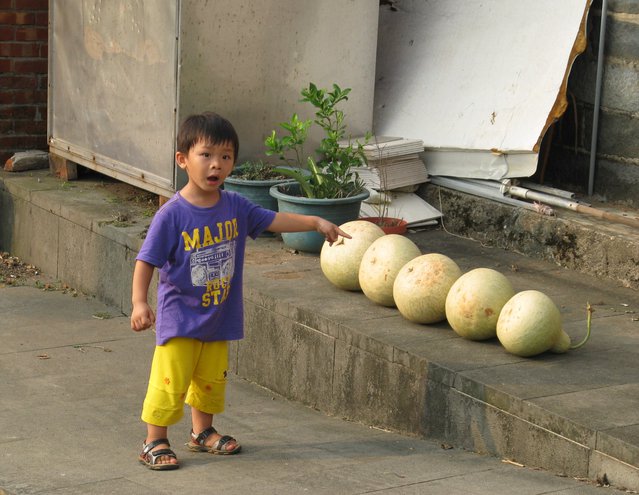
column 209, row 127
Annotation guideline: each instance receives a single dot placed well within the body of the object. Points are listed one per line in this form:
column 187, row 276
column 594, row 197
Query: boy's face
column 207, row 165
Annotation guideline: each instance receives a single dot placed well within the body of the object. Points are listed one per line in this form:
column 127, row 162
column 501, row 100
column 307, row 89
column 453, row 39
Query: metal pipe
column 478, row 190
column 484, row 182
column 487, row 189
column 547, row 189
column 595, row 118
column 521, row 192
column 528, row 185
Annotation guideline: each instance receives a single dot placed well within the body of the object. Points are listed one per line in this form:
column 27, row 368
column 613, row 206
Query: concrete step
column 577, row 241
column 574, row 414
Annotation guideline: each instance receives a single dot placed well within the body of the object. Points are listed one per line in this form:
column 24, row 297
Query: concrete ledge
column 571, row 240
column 573, row 414
column 337, row 352
column 72, row 233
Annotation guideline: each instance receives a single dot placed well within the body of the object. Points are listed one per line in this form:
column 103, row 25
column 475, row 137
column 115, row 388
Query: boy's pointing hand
column 330, row 231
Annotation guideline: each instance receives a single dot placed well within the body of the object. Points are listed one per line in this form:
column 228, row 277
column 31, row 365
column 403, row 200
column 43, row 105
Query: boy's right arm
column 294, row 222
column 142, row 316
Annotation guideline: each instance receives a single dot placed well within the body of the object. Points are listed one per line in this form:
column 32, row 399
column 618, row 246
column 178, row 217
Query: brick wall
column 23, row 76
column 617, row 159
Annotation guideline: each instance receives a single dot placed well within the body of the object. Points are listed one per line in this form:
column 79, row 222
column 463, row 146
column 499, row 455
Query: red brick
column 6, row 126
column 7, row 33
column 7, row 18
column 19, row 50
column 22, row 143
column 43, row 82
column 42, row 18
column 32, row 4
column 30, row 127
column 42, row 112
column 23, row 75
column 18, row 112
column 21, row 97
column 16, row 81
column 38, row 66
column 7, row 97
column 31, row 34
column 24, row 18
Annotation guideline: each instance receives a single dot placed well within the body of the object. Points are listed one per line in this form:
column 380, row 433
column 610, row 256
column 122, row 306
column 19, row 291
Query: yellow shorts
column 185, row 370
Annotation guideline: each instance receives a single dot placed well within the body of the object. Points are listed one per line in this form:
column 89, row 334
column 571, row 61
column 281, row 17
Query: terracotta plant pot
column 388, row 225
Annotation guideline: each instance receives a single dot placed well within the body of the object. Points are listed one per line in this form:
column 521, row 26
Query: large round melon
column 340, row 262
column 421, row 287
column 529, row 324
column 474, row 302
column 380, row 264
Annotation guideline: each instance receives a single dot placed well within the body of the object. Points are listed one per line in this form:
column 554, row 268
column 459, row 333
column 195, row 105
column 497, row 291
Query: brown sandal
column 197, row 443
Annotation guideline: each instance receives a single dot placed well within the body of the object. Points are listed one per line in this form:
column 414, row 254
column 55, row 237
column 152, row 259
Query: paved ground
column 73, row 378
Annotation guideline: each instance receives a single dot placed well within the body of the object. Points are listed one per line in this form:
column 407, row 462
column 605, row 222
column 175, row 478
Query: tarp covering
column 478, row 82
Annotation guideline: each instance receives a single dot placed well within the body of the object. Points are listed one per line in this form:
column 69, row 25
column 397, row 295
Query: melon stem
column 589, row 310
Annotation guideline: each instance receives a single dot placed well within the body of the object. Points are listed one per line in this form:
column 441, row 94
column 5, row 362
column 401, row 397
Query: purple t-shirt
column 200, row 256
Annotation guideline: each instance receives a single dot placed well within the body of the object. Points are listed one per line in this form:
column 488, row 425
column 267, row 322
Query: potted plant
column 328, row 188
column 253, row 180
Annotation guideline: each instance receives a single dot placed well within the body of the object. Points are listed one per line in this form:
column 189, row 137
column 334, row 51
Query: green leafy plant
column 332, row 177
column 256, row 170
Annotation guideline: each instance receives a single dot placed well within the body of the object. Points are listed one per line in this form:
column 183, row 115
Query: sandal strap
column 152, row 458
column 201, row 438
column 147, row 447
column 160, row 452
column 223, row 441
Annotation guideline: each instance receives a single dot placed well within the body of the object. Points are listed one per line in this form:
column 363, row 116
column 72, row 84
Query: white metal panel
column 123, row 73
column 475, row 76
column 112, row 93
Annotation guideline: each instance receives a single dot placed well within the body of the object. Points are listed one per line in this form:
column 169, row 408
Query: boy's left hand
column 330, row 231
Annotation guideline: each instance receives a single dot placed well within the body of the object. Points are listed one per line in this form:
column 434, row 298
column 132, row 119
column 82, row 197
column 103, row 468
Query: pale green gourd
column 474, row 302
column 530, row 323
column 380, row 264
column 340, row 262
column 421, row 287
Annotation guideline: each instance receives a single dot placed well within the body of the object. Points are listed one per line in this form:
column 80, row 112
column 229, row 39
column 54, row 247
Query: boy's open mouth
column 212, row 178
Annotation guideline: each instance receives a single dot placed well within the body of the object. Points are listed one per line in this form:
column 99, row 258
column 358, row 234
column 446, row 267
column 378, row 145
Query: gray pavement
column 73, row 379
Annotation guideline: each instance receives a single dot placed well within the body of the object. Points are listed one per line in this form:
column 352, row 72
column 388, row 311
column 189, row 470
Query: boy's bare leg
column 202, row 421
column 154, row 432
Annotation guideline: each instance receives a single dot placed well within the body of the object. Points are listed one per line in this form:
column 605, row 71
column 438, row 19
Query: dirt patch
column 127, row 194
column 132, row 203
column 15, row 272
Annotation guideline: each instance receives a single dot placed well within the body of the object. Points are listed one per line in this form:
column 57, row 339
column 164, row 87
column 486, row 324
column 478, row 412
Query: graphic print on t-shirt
column 212, row 268
column 212, row 263
column 212, row 259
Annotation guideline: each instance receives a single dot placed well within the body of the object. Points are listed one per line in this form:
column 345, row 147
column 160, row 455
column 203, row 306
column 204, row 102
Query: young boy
column 197, row 241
